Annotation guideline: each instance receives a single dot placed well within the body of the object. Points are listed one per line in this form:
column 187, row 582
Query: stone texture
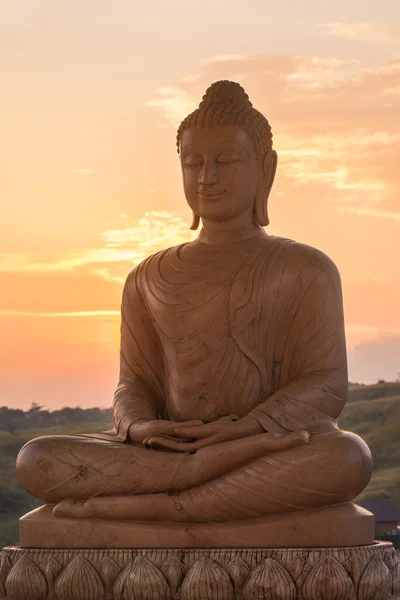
column 355, row 573
column 341, row 525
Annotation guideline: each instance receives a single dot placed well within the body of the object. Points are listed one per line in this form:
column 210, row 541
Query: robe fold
column 256, row 327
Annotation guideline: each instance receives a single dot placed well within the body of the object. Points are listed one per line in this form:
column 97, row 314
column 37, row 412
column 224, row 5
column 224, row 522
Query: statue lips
column 211, row 195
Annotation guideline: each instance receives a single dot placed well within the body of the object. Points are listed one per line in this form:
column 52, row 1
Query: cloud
column 368, row 32
column 221, row 58
column 370, row 212
column 72, row 314
column 357, row 334
column 174, row 102
column 121, row 248
column 336, row 122
column 377, row 358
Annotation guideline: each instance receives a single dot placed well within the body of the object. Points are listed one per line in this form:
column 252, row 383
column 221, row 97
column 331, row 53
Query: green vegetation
column 382, row 389
column 373, row 412
column 14, row 501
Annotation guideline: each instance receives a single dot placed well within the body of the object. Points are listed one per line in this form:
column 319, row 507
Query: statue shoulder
column 130, row 291
column 302, row 255
column 136, row 277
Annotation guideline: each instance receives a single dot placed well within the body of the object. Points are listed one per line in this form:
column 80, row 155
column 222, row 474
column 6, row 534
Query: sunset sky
column 91, row 95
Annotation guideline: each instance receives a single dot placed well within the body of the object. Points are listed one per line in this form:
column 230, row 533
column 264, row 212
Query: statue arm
column 314, row 387
column 138, row 394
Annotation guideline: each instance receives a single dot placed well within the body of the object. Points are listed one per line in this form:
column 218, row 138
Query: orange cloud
column 121, row 249
column 68, row 315
column 369, row 32
column 382, row 352
column 336, row 122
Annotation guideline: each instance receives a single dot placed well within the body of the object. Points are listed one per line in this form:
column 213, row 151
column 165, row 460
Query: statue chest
column 222, row 333
column 188, row 322
column 208, row 370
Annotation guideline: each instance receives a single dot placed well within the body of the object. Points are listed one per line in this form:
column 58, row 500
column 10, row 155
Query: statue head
column 227, row 159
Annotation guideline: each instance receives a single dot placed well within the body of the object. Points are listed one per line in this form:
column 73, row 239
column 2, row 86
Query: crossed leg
column 88, row 478
column 252, row 477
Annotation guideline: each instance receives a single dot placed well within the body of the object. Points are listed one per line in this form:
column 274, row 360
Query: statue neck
column 219, row 235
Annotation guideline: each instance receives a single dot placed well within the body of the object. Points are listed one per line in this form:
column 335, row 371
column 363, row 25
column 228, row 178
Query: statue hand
column 142, row 430
column 223, row 430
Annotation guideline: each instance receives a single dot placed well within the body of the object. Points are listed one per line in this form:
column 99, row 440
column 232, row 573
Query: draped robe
column 253, row 327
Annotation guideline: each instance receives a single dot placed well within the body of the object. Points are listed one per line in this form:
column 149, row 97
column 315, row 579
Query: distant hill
column 373, row 411
column 384, row 389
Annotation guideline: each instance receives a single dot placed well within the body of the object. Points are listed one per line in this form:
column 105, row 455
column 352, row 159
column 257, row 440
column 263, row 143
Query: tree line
column 16, row 419
column 37, row 417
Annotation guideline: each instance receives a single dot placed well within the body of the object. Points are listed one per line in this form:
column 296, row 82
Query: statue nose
column 208, row 174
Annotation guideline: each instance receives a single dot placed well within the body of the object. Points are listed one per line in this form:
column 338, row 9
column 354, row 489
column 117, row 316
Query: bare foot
column 147, row 507
column 70, row 508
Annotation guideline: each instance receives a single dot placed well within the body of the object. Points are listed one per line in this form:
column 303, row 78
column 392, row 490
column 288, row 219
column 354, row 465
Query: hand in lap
column 140, row 431
column 222, row 430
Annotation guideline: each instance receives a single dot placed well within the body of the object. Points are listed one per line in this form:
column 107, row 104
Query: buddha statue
column 233, row 364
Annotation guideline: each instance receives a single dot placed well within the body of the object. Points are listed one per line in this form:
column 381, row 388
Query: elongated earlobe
column 264, row 189
column 261, row 207
column 195, row 222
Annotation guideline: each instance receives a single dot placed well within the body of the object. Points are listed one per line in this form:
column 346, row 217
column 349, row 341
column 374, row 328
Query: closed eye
column 228, row 156
column 192, row 160
column 193, row 164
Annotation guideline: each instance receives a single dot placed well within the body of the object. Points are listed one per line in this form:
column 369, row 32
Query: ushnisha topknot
column 226, row 93
column 226, row 103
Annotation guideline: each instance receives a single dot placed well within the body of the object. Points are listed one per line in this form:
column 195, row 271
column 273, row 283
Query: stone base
column 356, row 573
column 340, row 525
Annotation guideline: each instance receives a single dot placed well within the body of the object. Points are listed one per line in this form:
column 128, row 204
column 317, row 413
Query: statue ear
column 269, row 165
column 195, row 222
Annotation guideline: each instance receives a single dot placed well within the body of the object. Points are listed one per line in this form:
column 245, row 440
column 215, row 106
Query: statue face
column 220, row 172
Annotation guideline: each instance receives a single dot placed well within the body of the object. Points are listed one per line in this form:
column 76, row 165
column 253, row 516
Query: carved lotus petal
column 26, row 581
column 79, row 581
column 299, row 568
column 328, row 580
column 239, row 570
column 109, row 571
column 141, row 580
column 50, row 568
column 270, row 581
column 206, row 580
column 390, row 559
column 314, row 557
column 396, row 577
column 5, row 567
column 376, row 581
column 174, row 571
column 354, row 565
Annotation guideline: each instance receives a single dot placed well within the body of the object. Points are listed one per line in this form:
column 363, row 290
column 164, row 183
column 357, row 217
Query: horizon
column 91, row 178
column 40, row 408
